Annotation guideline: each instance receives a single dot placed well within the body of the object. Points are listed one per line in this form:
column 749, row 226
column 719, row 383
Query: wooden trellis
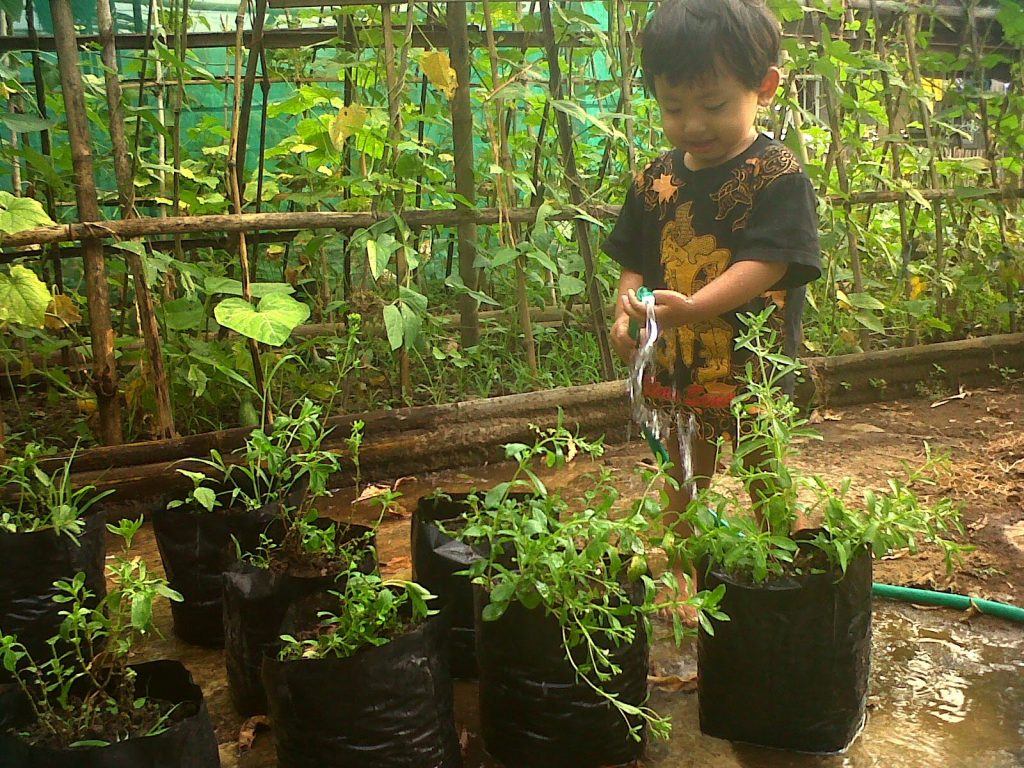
column 974, row 25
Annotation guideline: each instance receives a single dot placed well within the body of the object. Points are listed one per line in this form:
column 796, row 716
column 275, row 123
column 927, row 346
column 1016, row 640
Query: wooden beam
column 414, row 217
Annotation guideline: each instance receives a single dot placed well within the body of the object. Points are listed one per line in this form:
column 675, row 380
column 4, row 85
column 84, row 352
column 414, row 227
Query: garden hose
column 657, row 447
column 948, row 600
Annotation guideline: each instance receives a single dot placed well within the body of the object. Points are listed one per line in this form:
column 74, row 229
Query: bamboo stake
column 104, row 380
column 126, row 189
column 835, row 129
column 910, row 35
column 626, row 80
column 505, row 190
column 249, row 86
column 895, row 164
column 395, row 82
column 465, row 184
column 576, row 194
column 236, row 203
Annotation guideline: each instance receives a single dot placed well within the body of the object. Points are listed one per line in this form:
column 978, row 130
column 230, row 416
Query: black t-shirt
column 681, row 229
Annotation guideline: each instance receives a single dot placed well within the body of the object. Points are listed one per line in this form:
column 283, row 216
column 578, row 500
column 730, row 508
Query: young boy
column 722, row 224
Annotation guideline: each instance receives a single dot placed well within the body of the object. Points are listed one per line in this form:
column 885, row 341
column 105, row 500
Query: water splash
column 685, row 436
column 652, row 421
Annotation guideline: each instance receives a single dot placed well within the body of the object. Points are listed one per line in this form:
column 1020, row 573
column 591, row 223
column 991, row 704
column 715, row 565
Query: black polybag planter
column 196, row 548
column 188, row 743
column 29, row 565
column 533, row 711
column 255, row 603
column 386, row 707
column 790, row 668
column 436, row 558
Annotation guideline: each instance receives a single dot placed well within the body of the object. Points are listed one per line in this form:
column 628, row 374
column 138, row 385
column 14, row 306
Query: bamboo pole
column 249, row 87
column 910, row 35
column 465, row 184
column 394, row 76
column 576, row 194
column 126, row 189
column 626, row 82
column 834, row 111
column 505, row 189
column 104, row 378
column 236, row 203
column 230, row 223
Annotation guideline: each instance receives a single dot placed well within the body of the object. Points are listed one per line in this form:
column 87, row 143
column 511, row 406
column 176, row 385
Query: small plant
column 273, row 465
column 371, row 612
column 354, row 442
column 585, row 566
column 44, row 500
column 733, row 538
column 84, row 694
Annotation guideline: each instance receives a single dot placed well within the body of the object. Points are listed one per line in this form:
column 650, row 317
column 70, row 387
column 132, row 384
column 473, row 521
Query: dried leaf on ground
column 959, row 396
column 819, row 416
column 247, row 733
column 371, row 492
column 674, row 683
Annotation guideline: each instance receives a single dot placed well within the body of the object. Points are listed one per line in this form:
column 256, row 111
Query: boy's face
column 712, row 120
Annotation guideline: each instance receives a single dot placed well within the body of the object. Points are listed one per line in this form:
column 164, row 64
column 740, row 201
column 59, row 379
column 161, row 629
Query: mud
column 947, row 688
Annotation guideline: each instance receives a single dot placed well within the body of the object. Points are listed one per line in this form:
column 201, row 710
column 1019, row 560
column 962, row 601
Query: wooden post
column 104, row 379
column 835, row 129
column 249, row 86
column 126, row 191
column 626, row 82
column 465, row 184
column 506, row 191
column 395, row 81
column 236, row 202
column 910, row 34
column 576, row 194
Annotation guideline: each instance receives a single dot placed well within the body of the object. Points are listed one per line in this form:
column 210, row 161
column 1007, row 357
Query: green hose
column 947, row 600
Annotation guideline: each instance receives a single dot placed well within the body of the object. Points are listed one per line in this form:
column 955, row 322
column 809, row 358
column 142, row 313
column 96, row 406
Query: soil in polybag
column 790, row 668
column 534, row 712
column 188, row 742
column 385, row 707
column 255, row 603
column 30, row 563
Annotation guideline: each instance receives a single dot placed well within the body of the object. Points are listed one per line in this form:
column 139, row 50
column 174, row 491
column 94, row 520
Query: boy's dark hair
column 686, row 40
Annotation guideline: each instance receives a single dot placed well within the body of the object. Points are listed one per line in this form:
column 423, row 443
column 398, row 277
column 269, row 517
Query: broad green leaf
column 270, row 322
column 569, row 285
column 869, row 321
column 23, row 297
column 864, row 301
column 414, row 299
column 232, row 287
column 26, row 123
column 183, row 314
column 12, row 8
column 394, row 325
column 411, row 324
column 20, row 213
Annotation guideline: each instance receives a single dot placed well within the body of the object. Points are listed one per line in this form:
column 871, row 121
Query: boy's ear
column 769, row 85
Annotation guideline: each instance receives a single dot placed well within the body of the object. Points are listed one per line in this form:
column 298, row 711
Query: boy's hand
column 671, row 308
column 622, row 343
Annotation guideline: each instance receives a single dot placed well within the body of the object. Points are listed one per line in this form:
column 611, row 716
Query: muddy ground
column 982, row 431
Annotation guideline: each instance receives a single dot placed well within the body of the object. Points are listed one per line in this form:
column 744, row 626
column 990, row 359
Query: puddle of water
column 943, row 694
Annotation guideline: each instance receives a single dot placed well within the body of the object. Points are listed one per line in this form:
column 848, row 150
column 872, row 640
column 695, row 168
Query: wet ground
column 947, row 688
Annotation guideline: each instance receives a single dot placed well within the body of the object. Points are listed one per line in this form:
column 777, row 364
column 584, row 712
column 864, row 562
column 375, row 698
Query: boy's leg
column 703, row 457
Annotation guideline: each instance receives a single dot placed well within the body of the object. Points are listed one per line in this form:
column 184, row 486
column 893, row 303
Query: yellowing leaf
column 347, row 123
column 438, row 69
column 23, row 297
column 917, row 286
column 298, row 149
column 61, row 313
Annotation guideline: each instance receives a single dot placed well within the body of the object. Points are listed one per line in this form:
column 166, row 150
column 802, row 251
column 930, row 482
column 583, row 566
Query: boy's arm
column 740, row 283
column 625, row 347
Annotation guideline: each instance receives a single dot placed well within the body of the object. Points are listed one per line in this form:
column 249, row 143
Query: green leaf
column 12, row 8
column 20, row 213
column 183, row 314
column 206, row 497
column 26, row 123
column 569, row 285
column 232, row 287
column 270, row 322
column 394, row 325
column 142, row 611
column 493, row 611
column 869, row 321
column 864, row 301
column 23, row 297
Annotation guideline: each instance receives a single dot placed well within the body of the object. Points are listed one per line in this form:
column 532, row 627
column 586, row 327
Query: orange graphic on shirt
column 692, row 261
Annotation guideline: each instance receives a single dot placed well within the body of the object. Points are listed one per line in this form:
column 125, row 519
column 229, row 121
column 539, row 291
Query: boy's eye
column 714, row 107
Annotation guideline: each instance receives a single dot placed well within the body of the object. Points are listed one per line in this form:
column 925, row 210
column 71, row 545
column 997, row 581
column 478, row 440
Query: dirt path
column 983, row 432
